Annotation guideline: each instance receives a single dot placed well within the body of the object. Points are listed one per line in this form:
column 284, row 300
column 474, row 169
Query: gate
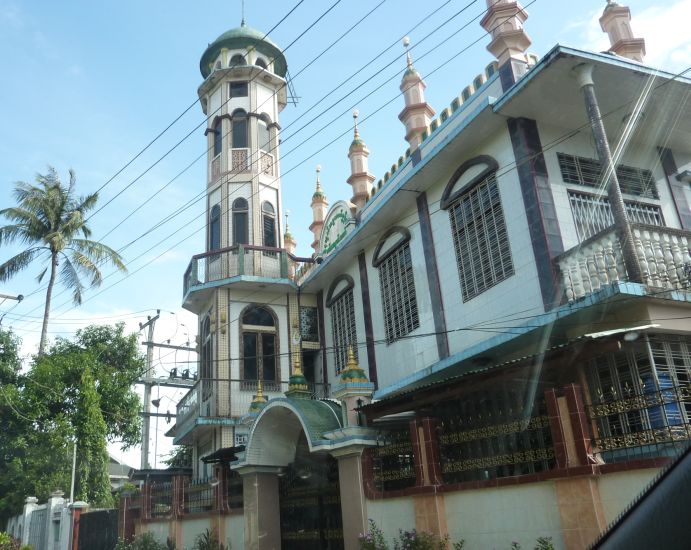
column 98, row 530
column 310, row 501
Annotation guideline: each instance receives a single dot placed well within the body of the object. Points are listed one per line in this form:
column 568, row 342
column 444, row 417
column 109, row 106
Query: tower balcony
column 663, row 254
column 221, row 402
column 242, row 265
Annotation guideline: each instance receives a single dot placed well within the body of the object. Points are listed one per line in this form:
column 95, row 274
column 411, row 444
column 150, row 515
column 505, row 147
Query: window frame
column 236, row 212
column 343, row 330
column 238, row 84
column 260, row 331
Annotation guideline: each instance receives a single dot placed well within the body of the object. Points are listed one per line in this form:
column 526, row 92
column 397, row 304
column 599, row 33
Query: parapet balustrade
column 663, row 253
column 243, row 259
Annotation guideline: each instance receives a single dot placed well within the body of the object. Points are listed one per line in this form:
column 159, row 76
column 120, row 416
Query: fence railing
column 641, row 422
column 161, row 499
column 198, row 496
column 242, row 259
column 394, row 462
column 663, row 253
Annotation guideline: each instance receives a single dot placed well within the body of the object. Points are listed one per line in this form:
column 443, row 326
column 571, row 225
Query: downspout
column 584, row 75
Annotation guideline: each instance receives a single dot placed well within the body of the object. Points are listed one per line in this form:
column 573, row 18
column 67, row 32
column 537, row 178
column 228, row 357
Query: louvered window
column 343, row 328
column 480, row 238
column 398, row 294
column 593, row 214
column 584, row 171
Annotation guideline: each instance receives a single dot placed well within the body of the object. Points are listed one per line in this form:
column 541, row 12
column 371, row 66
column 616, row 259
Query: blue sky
column 88, row 84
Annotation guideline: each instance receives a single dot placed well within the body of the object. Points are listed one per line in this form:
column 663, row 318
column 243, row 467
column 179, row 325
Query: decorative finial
column 356, row 114
column 260, row 390
column 297, row 369
column 287, row 213
column 319, row 183
column 409, row 59
column 242, row 23
column 351, row 363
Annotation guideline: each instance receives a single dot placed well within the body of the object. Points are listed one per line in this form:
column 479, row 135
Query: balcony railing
column 663, row 254
column 233, row 261
column 238, row 394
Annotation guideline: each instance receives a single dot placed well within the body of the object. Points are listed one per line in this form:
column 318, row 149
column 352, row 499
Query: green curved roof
column 242, row 37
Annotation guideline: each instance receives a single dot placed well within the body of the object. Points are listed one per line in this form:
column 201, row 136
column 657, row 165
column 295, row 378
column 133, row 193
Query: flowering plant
column 372, row 539
column 420, row 540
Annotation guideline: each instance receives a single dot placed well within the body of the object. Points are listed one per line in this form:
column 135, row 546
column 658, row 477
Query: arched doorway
column 310, row 501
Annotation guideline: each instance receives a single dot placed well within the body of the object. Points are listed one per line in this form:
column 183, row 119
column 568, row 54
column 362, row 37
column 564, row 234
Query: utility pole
column 147, row 381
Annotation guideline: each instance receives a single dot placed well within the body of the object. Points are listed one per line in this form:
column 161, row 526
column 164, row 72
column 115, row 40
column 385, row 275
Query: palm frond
column 70, row 278
column 87, row 267
column 42, row 274
column 17, row 263
column 99, row 252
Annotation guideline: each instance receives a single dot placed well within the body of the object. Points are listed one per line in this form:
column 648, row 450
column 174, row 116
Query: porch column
column 584, row 74
column 430, row 509
column 353, row 504
column 261, row 507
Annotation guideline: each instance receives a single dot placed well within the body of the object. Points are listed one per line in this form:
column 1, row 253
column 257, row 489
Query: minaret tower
column 320, row 206
column 616, row 22
column 504, row 21
column 243, row 92
column 360, row 178
column 417, row 113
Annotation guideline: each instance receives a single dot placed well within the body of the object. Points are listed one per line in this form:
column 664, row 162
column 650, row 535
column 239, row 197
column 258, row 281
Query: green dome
column 241, row 38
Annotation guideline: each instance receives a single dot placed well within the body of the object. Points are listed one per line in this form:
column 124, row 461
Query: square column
column 353, row 504
column 261, row 508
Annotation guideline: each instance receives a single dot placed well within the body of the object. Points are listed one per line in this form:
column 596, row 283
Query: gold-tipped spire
column 352, row 371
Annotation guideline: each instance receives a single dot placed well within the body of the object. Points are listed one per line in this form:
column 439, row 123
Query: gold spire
column 260, row 392
column 297, row 369
column 351, row 363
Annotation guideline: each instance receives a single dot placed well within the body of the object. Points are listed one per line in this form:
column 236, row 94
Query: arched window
column 217, row 65
column 239, row 132
column 240, row 219
column 206, row 357
column 269, row 224
column 215, row 227
column 263, row 134
column 260, row 63
column 259, row 345
column 236, row 60
column 218, row 137
column 396, row 283
column 480, row 238
column 339, row 299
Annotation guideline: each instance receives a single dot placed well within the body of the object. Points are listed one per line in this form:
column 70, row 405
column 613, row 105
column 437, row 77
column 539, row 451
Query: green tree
column 51, row 221
column 116, row 364
column 93, row 485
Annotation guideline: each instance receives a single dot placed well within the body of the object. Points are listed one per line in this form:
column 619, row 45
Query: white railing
column 663, row 254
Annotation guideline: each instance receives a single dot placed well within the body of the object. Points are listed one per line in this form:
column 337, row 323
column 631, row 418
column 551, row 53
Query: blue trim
column 615, row 289
column 204, row 421
column 427, row 158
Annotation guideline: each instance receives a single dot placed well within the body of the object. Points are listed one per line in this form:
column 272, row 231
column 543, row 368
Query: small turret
column 504, row 21
column 259, row 401
column 417, row 113
column 298, row 387
column 616, row 22
column 320, row 206
column 360, row 178
column 354, row 391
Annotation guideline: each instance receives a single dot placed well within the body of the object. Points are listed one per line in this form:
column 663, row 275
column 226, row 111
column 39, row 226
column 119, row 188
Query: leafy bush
column 544, row 543
column 145, row 541
column 208, row 540
column 373, row 539
column 7, row 542
column 419, row 540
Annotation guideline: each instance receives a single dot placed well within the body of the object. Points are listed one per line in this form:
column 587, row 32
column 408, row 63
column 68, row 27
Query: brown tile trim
column 322, row 335
column 538, row 201
column 367, row 311
column 556, row 428
column 432, row 276
column 579, row 422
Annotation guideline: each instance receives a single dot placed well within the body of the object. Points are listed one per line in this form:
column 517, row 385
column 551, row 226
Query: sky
column 93, row 85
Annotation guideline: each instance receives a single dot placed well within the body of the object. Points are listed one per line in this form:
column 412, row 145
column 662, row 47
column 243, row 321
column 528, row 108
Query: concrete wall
column 392, row 514
column 493, row 518
column 618, row 490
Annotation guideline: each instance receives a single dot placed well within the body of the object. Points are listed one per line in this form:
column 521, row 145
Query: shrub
column 373, row 539
column 419, row 540
column 145, row 541
column 544, row 543
column 208, row 540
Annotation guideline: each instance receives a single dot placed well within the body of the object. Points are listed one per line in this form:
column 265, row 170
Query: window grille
column 584, row 171
column 593, row 214
column 309, row 324
column 641, row 399
column 343, row 328
column 398, row 294
column 480, row 238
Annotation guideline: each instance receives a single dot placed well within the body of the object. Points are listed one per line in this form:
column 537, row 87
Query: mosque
column 490, row 341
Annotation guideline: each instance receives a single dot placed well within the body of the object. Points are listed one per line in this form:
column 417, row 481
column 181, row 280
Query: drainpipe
column 584, row 75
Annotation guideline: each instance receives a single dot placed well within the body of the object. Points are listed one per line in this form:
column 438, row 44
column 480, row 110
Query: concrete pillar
column 580, row 511
column 30, row 505
column 261, row 508
column 353, row 503
column 54, row 505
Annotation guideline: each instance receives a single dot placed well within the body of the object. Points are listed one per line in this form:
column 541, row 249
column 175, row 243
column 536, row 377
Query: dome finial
column 319, row 183
column 242, row 23
column 409, row 59
column 356, row 114
column 287, row 213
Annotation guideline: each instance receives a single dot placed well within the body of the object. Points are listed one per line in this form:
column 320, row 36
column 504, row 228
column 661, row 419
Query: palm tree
column 51, row 220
